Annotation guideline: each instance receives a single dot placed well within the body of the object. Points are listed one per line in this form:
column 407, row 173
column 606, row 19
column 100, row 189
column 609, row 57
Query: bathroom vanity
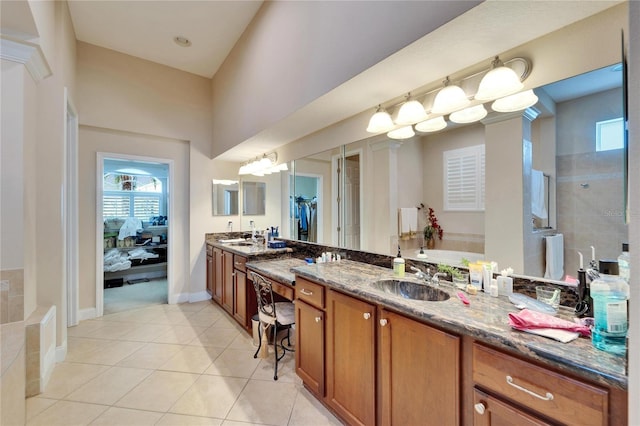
column 376, row 358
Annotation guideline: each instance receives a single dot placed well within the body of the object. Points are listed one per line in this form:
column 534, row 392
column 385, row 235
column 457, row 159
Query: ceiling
column 585, row 84
column 146, row 29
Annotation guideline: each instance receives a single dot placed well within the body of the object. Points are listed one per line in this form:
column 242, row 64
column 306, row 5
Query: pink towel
column 526, row 320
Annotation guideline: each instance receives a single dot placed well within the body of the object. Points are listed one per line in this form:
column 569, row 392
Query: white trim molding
column 86, row 314
column 199, row 296
column 26, row 53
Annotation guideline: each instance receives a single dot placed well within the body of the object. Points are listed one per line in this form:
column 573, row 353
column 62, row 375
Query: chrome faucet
column 421, row 275
column 253, row 232
column 435, row 280
column 230, row 226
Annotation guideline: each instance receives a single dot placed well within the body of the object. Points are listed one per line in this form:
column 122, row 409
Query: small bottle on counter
column 398, row 265
column 493, row 288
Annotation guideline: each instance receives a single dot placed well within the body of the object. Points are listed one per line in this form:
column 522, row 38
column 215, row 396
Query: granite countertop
column 248, row 250
column 278, row 270
column 485, row 319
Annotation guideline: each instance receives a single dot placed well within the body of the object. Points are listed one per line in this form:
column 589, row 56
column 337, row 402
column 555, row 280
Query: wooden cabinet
column 240, row 292
column 419, row 372
column 522, row 385
column 210, row 270
column 310, row 323
column 218, row 275
column 490, row 411
column 350, row 358
column 227, row 282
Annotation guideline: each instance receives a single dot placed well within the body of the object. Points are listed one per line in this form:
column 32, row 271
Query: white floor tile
column 158, row 392
column 267, row 402
column 109, row 386
column 115, row 416
column 65, row 413
column 210, row 396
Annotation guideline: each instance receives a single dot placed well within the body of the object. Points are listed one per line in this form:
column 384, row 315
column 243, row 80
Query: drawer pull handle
column 547, row 397
column 318, row 319
column 480, row 408
column 306, row 292
column 366, row 315
column 383, row 322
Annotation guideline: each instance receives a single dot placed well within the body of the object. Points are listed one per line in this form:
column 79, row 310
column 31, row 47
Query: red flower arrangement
column 433, row 227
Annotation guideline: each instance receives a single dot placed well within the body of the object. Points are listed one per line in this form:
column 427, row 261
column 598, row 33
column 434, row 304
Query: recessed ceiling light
column 182, row 41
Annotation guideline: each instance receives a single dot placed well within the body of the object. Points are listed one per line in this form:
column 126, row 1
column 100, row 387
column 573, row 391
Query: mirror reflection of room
column 304, row 207
column 224, row 197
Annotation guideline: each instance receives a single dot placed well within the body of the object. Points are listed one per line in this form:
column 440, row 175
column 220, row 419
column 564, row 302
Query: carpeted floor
column 131, row 296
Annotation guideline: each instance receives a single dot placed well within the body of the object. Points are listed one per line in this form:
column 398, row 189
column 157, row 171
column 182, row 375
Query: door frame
column 70, row 225
column 337, row 216
column 101, row 156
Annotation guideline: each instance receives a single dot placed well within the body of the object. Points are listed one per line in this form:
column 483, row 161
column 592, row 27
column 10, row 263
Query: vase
column 431, row 243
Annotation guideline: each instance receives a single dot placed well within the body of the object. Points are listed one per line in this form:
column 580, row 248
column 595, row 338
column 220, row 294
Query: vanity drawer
column 310, row 292
column 552, row 394
column 239, row 262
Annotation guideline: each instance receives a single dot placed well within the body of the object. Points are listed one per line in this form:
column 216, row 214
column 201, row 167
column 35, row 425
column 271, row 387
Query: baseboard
column 178, row 298
column 199, row 297
column 85, row 314
column 61, row 352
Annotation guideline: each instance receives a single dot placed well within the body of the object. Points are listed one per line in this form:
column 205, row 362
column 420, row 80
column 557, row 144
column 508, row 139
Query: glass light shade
column 500, row 81
column 380, row 122
column 402, row 133
column 516, row 102
column 432, row 125
column 469, row 115
column 243, row 170
column 449, row 98
column 282, row 167
column 411, row 112
column 265, row 162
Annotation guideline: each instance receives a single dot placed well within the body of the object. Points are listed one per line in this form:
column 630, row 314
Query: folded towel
column 554, row 257
column 538, row 199
column 527, row 320
column 407, row 222
column 129, row 228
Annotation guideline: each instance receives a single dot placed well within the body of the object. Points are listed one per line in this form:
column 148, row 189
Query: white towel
column 538, row 205
column 408, row 222
column 555, row 257
column 129, row 228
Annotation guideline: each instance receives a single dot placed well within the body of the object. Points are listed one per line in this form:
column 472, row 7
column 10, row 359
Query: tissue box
column 277, row 244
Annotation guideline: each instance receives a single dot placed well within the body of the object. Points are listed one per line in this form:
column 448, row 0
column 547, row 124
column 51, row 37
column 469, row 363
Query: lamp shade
column 516, row 102
column 405, row 132
column 498, row 82
column 410, row 112
column 449, row 98
column 380, row 121
column 469, row 115
column 432, row 125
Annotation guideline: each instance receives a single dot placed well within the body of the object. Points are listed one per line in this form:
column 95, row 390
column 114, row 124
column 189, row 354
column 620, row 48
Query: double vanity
column 375, row 356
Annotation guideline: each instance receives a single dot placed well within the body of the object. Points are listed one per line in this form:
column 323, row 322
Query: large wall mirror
column 253, row 198
column 335, row 195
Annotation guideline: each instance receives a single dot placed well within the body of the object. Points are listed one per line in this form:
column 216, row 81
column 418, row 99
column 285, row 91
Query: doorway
column 306, row 207
column 347, row 191
column 134, row 216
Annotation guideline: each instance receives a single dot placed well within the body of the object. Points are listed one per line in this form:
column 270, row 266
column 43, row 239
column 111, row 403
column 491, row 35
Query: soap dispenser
column 398, row 265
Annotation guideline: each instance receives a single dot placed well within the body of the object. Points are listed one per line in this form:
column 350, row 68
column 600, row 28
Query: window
column 610, row 134
column 464, row 179
column 127, row 196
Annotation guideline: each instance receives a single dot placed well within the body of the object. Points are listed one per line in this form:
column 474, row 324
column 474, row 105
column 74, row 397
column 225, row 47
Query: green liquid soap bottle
column 609, row 294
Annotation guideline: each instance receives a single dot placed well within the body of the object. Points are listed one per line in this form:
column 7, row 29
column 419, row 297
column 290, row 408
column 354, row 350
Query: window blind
column 464, row 179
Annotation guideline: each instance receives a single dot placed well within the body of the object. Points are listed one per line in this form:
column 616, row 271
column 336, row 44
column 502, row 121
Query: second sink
column 411, row 290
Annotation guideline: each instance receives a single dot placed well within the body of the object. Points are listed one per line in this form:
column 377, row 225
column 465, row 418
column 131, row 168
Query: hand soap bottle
column 398, row 265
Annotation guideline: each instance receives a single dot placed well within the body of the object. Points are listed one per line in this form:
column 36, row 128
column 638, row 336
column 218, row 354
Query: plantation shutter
column 145, row 207
column 464, row 179
column 115, row 206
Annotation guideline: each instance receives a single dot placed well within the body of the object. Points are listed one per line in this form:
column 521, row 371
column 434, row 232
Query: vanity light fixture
column 410, row 112
column 405, row 132
column 469, row 115
column 500, row 81
column 380, row 121
column 259, row 165
column 432, row 125
column 450, row 98
column 517, row 102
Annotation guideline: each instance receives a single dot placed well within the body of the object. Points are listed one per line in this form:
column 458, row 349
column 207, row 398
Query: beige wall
column 122, row 93
column 291, row 46
column 93, row 141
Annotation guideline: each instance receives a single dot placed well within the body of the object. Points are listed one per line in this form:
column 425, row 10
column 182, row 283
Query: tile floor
column 187, row 364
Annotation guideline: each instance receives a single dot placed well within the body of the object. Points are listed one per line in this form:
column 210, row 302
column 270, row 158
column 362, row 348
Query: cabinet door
column 240, row 298
column 310, row 346
column 351, row 389
column 227, row 283
column 218, row 275
column 490, row 411
column 210, row 272
column 419, row 368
